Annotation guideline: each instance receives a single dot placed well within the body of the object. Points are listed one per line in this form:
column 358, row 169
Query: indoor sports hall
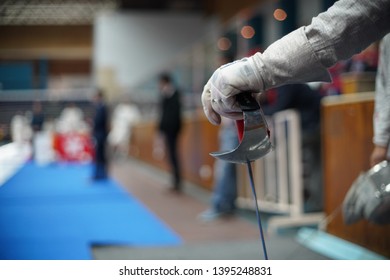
column 105, row 145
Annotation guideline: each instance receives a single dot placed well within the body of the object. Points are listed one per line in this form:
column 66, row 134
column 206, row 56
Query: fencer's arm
column 304, row 55
column 381, row 119
column 382, row 96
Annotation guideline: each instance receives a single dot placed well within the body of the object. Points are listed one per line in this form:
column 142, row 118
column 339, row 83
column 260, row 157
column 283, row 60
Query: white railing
column 278, row 177
column 47, row 94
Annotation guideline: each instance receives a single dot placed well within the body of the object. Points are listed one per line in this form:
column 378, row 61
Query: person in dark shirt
column 37, row 117
column 170, row 124
column 307, row 102
column 100, row 132
column 224, row 195
column 300, row 97
column 37, row 120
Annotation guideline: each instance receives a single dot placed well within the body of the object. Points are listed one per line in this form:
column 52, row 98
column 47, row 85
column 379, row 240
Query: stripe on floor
column 334, row 247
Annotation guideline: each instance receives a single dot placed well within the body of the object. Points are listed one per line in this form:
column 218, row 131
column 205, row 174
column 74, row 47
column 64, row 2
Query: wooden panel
column 357, row 82
column 347, row 144
column 26, row 37
column 67, row 66
column 197, row 140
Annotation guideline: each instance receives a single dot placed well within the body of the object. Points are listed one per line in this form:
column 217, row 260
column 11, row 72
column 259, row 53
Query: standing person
column 303, row 55
column 37, row 117
column 224, row 196
column 307, row 102
column 223, row 201
column 382, row 105
column 21, row 131
column 124, row 117
column 362, row 201
column 71, row 119
column 37, row 120
column 170, row 124
column 100, row 131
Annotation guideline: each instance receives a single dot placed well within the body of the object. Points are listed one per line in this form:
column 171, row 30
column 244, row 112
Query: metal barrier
column 71, row 94
column 278, row 177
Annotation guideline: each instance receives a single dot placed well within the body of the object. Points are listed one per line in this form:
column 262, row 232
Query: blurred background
column 55, row 55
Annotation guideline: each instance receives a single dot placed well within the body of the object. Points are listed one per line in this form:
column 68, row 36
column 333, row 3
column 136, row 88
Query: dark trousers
column 100, row 171
column 171, row 146
column 312, row 171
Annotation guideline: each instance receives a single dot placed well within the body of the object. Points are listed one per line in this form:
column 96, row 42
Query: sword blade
column 250, row 173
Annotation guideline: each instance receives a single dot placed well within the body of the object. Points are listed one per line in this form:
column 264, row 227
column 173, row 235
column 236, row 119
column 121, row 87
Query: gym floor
column 232, row 238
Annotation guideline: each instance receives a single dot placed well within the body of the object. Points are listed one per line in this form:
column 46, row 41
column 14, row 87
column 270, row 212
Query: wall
column 133, row 47
column 306, row 10
column 299, row 13
column 49, row 52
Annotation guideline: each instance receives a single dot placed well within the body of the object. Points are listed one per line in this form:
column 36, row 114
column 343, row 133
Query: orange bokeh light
column 280, row 14
column 224, row 44
column 247, row 32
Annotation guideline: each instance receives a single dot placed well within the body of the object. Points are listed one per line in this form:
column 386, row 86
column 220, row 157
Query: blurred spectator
column 43, row 147
column 124, row 116
column 71, row 119
column 100, row 132
column 37, row 120
column 5, row 136
column 382, row 105
column 72, row 137
column 301, row 97
column 170, row 124
column 365, row 61
column 37, row 117
column 21, row 131
column 223, row 201
column 307, row 102
column 334, row 88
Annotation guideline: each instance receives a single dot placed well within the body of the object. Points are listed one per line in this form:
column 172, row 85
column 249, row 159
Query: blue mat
column 55, row 212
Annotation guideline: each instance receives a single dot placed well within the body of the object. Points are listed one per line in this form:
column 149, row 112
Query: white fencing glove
column 218, row 96
column 289, row 60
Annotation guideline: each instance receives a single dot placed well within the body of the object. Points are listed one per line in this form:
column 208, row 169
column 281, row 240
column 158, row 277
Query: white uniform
column 382, row 96
column 123, row 118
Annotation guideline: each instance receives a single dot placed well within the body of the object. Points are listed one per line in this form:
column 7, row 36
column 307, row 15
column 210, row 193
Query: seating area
column 51, row 109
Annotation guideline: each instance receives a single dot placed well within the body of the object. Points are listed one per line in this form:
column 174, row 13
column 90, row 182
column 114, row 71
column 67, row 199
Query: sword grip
column 247, row 103
column 240, row 129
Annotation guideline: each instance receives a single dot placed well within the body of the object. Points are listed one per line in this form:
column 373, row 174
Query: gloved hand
column 378, row 154
column 288, row 60
column 218, row 96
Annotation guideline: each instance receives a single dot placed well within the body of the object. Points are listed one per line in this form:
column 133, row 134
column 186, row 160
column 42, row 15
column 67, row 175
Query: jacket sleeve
column 382, row 96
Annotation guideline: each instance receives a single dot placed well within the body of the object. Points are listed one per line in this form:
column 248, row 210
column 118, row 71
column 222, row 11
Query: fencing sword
column 253, row 133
